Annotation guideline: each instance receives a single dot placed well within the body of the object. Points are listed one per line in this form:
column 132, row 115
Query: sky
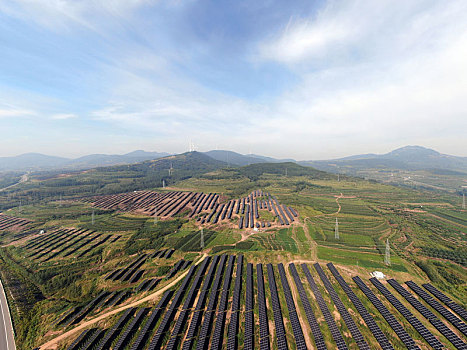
column 303, row 79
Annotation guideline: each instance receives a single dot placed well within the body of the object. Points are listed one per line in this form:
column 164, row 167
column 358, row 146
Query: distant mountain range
column 405, row 158
column 37, row 161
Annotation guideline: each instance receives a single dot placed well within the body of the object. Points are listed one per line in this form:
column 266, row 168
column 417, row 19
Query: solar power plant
column 276, row 308
column 430, row 316
column 388, row 316
column 82, row 338
column 249, row 333
column 421, row 329
column 264, row 341
column 113, row 333
column 206, row 207
column 356, row 335
column 177, row 331
column 232, row 340
column 150, row 323
column 213, row 306
column 316, row 331
column 164, row 326
column 7, row 222
column 369, row 320
column 336, row 334
column 293, row 316
column 205, row 335
column 217, row 337
column 446, row 300
column 199, row 309
column 131, row 329
column 453, row 319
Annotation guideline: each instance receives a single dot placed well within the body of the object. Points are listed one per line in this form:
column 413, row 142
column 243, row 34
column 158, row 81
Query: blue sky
column 301, row 79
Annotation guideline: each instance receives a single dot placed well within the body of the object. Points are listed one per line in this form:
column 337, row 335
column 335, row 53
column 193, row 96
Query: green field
column 50, row 275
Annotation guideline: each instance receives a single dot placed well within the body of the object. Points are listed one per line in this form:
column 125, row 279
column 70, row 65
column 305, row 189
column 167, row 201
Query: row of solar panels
column 202, row 332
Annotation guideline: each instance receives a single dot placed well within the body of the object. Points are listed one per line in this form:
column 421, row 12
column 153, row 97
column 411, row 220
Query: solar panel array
column 356, row 335
column 249, row 333
column 369, row 320
column 113, row 333
column 204, row 336
column 276, row 309
column 151, row 322
column 430, row 316
column 388, row 316
column 206, row 207
column 232, row 340
column 336, row 334
column 453, row 319
column 262, row 311
column 158, row 338
column 415, row 322
column 199, row 309
column 446, row 300
column 7, row 222
column 315, row 330
column 293, row 316
column 217, row 337
column 178, row 323
column 177, row 332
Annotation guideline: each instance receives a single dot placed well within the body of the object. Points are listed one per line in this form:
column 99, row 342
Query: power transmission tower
column 387, row 255
column 92, row 218
column 163, row 183
column 336, row 230
column 463, row 200
column 338, row 178
column 285, row 171
column 155, row 215
column 202, row 238
column 171, row 169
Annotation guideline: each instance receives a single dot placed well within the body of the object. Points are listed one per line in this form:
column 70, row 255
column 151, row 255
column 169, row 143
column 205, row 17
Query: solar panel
column 388, row 316
column 336, row 334
column 356, row 335
column 315, row 330
column 276, row 308
column 293, row 316
column 370, row 322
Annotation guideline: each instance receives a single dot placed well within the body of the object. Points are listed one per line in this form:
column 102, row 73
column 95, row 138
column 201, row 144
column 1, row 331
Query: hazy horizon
column 207, row 150
column 316, row 80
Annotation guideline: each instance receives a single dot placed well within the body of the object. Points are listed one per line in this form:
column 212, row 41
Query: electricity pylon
column 336, row 230
column 463, row 200
column 387, row 255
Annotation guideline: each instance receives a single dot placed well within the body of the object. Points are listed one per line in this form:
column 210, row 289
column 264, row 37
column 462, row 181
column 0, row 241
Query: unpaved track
column 53, row 344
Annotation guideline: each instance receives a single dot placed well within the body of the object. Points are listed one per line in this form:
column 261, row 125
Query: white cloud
column 344, row 32
column 13, row 112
